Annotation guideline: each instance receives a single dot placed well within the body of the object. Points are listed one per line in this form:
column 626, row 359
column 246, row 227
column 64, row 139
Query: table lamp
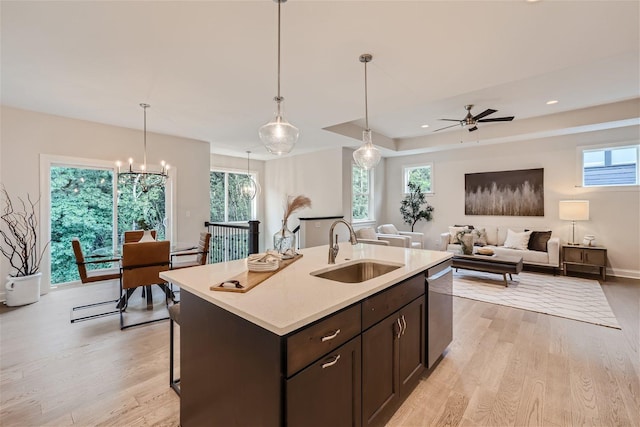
column 574, row 210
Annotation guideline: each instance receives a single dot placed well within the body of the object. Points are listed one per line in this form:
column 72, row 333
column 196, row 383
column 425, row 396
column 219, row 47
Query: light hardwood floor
column 506, row 367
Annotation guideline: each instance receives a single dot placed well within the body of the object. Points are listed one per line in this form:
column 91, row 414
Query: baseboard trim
column 622, row 272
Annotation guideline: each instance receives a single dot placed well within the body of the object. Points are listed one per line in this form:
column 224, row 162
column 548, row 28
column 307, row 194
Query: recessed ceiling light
column 532, row 1
column 424, row 126
column 553, row 101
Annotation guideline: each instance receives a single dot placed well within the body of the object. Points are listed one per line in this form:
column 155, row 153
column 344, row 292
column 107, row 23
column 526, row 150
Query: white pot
column 23, row 290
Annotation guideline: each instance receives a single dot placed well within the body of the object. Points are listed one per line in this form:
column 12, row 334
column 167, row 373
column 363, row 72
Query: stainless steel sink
column 356, row 271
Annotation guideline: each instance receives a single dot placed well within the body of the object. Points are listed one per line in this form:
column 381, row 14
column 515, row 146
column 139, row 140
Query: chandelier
column 143, row 177
column 367, row 156
column 279, row 136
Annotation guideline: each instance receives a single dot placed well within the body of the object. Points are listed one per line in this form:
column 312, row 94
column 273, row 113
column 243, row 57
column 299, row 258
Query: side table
column 588, row 256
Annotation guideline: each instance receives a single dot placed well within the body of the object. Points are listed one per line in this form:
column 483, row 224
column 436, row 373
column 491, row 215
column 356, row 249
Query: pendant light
column 249, row 187
column 279, row 136
column 367, row 156
column 143, row 177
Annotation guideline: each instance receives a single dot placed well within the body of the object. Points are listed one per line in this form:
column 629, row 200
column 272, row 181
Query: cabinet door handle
column 399, row 327
column 333, row 362
column 331, row 336
column 404, row 325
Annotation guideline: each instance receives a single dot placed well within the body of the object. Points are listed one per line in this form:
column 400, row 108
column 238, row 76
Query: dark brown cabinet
column 392, row 359
column 327, row 393
column 351, row 368
column 585, row 256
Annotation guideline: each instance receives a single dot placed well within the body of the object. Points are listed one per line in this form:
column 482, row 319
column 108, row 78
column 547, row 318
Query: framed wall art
column 506, row 193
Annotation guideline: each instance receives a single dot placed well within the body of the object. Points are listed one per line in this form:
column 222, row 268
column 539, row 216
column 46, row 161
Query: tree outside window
column 420, row 175
column 228, row 204
column 361, row 194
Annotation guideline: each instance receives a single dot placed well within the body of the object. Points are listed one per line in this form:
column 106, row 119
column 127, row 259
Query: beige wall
column 26, row 135
column 614, row 212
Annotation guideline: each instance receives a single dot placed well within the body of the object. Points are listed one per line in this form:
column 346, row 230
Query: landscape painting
column 507, row 193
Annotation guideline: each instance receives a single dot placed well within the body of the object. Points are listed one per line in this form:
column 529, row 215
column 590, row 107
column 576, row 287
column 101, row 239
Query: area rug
column 568, row 297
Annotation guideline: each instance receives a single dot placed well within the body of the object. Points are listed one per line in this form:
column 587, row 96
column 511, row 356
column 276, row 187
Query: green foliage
column 82, row 206
column 360, row 193
column 422, row 177
column 239, row 207
column 411, row 207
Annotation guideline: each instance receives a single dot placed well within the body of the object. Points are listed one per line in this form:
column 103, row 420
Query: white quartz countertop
column 293, row 298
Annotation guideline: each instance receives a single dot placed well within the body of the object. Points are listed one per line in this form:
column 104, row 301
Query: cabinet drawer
column 379, row 306
column 311, row 343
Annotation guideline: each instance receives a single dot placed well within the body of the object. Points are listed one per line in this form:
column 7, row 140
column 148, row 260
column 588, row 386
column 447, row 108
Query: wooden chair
column 202, row 254
column 141, row 266
column 90, row 276
column 133, row 236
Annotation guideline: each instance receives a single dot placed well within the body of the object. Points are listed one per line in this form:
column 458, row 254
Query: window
column 422, row 175
column 228, row 204
column 362, row 194
column 84, row 199
column 610, row 166
column 82, row 207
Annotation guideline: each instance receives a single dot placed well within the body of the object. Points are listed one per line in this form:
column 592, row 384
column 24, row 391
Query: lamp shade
column 574, row 210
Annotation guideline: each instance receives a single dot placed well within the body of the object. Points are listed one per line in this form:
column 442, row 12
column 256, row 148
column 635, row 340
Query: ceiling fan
column 471, row 121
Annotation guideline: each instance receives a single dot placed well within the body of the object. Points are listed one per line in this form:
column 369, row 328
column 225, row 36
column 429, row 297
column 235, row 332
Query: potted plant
column 19, row 245
column 411, row 207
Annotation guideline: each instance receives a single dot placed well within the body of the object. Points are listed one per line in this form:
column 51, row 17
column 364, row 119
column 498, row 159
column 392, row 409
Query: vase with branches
column 414, row 207
column 285, row 240
column 19, row 244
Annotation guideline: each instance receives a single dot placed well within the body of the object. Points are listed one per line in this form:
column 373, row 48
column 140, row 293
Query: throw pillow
column 479, row 237
column 517, row 240
column 453, row 234
column 388, row 229
column 538, row 240
column 366, row 233
column 470, row 227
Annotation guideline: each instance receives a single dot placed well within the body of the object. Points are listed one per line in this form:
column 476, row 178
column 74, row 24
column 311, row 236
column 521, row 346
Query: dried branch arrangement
column 19, row 233
column 294, row 204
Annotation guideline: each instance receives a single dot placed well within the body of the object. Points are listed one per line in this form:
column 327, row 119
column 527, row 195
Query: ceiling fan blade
column 473, row 128
column 484, row 114
column 446, row 127
column 451, row 120
column 497, row 119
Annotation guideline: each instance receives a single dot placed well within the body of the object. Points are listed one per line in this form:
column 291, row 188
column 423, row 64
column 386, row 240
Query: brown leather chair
column 91, row 276
column 142, row 264
column 201, row 253
column 133, row 236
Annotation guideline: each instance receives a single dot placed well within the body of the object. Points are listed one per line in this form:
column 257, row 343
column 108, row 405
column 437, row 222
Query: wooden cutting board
column 250, row 279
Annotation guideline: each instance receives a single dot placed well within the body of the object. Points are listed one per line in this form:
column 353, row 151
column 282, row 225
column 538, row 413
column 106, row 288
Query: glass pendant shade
column 367, row 156
column 279, row 136
column 249, row 188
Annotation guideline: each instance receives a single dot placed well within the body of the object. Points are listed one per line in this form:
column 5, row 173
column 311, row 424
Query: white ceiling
column 208, row 68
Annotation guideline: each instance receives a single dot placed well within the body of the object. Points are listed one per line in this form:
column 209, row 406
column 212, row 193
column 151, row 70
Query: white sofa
column 496, row 236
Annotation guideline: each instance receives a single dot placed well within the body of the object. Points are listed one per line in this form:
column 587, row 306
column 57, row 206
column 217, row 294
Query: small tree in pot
column 19, row 245
column 411, row 207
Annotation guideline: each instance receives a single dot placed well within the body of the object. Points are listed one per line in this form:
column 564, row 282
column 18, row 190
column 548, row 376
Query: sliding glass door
column 88, row 202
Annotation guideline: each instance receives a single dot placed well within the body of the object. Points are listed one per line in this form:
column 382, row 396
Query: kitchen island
column 304, row 350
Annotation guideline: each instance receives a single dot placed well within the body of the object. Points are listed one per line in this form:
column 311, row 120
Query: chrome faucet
column 333, row 247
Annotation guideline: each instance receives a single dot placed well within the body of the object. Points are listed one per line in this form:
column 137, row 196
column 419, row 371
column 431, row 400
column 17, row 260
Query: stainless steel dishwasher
column 439, row 284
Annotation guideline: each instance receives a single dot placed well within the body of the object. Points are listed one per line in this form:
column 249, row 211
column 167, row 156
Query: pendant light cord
column 144, row 108
column 279, row 3
column 366, row 107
